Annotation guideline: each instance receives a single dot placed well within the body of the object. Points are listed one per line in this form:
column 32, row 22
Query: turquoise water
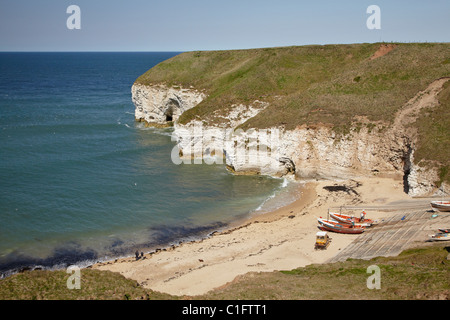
column 80, row 181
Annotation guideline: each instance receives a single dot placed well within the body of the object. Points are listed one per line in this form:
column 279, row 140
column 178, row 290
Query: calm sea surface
column 80, row 181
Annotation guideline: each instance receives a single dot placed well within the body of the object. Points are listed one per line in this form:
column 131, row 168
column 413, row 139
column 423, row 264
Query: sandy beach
column 279, row 240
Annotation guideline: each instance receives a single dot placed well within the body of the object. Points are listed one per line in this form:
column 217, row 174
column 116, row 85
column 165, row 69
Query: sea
column 82, row 182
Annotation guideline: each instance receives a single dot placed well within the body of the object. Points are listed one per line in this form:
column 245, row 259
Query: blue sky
column 176, row 25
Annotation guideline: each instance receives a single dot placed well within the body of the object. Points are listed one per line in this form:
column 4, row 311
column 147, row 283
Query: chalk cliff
column 306, row 152
column 162, row 105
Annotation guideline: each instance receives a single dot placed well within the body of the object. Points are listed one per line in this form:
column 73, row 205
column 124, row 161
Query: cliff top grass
column 329, row 84
column 420, row 273
column 94, row 285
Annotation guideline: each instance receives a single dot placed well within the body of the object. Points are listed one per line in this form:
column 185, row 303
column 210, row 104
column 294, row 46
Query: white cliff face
column 161, row 104
column 320, row 153
column 420, row 180
column 305, row 152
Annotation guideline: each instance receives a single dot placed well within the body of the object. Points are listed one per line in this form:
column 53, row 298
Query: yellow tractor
column 322, row 240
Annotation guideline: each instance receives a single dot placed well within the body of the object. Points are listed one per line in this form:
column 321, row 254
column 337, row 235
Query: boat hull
column 349, row 220
column 443, row 206
column 326, row 225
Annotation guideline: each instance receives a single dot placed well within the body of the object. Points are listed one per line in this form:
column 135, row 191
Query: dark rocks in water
column 163, row 235
column 72, row 252
column 64, row 256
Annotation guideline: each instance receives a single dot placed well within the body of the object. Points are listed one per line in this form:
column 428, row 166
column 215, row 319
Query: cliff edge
column 310, row 112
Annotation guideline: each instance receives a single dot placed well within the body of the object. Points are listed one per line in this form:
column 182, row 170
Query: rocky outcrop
column 307, row 152
column 161, row 104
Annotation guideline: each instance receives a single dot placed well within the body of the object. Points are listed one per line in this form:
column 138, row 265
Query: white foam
column 277, row 192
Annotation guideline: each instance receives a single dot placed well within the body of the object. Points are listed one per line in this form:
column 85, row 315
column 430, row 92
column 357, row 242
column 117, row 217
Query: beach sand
column 280, row 240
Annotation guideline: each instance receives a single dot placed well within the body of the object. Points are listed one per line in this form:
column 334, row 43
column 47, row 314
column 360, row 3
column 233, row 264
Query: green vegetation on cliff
column 308, row 84
column 94, row 285
column 434, row 135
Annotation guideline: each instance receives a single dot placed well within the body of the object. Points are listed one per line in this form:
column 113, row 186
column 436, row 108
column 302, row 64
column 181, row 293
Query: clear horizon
column 179, row 26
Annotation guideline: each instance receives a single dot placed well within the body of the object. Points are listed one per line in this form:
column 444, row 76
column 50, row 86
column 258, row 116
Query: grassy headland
column 308, row 84
column 342, row 86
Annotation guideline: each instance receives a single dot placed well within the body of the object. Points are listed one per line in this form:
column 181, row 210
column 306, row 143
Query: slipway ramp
column 404, row 229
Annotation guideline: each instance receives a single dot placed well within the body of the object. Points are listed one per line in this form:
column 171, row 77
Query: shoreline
column 304, row 189
column 53, row 263
column 279, row 240
column 304, row 194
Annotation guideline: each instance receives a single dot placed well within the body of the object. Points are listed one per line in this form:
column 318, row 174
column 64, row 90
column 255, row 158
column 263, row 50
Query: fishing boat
column 441, row 236
column 447, row 230
column 335, row 226
column 350, row 219
column 441, row 205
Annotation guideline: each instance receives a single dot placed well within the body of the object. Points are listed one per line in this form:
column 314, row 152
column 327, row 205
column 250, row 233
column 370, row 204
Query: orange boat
column 335, row 226
column 351, row 220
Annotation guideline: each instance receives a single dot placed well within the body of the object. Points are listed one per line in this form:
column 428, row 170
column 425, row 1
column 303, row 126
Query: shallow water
column 81, row 181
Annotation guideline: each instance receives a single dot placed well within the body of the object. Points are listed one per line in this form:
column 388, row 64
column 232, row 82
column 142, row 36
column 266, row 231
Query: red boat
column 350, row 219
column 335, row 226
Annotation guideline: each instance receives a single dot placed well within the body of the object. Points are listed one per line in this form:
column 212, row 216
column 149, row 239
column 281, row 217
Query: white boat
column 441, row 205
